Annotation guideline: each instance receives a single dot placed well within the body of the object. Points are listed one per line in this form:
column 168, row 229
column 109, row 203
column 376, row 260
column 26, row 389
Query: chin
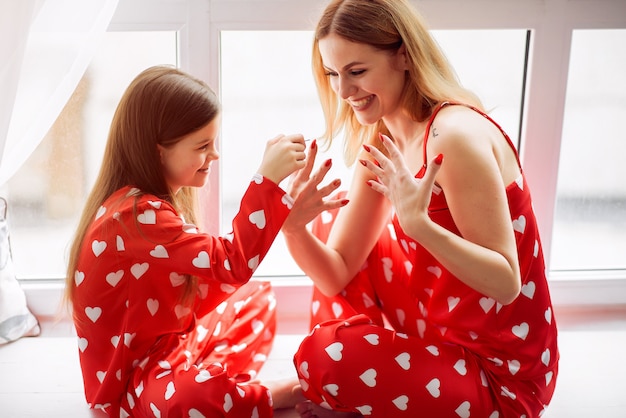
column 366, row 121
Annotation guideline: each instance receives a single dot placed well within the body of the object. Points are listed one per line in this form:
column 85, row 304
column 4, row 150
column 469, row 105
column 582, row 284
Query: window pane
column 491, row 63
column 47, row 194
column 590, row 222
column 267, row 88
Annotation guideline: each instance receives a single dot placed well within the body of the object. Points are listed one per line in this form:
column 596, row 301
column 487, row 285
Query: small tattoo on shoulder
column 435, row 134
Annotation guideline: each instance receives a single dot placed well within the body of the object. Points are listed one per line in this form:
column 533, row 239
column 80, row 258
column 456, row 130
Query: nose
column 345, row 88
column 213, row 154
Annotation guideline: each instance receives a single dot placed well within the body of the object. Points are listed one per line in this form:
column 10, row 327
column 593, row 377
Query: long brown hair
column 385, row 25
column 160, row 106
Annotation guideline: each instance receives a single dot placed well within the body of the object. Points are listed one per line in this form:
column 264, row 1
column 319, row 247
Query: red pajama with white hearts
column 407, row 338
column 145, row 350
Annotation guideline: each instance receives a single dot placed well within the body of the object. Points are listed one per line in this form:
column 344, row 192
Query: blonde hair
column 385, row 25
column 160, row 106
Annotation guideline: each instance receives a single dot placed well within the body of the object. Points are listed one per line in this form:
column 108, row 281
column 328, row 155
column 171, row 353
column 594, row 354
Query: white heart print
column 463, row 410
column 79, row 276
column 334, row 351
column 98, row 247
column 93, row 313
column 369, row 377
column 228, row 402
column 258, row 218
column 521, row 330
column 114, row 278
column 147, row 218
column 159, row 252
column 202, row 261
column 401, row 402
column 138, row 269
column 433, row 387
column 153, row 306
column 404, row 360
column 170, row 390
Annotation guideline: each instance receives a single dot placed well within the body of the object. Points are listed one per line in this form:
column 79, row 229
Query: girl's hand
column 410, row 196
column 309, row 200
column 283, row 155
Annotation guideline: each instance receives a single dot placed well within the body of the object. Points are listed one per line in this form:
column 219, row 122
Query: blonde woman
column 430, row 288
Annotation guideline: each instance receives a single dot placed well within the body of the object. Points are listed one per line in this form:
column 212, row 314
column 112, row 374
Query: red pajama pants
column 205, row 374
column 351, row 362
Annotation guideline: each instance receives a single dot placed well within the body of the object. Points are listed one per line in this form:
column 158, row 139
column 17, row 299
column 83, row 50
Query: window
column 234, row 45
column 267, row 88
column 47, row 194
column 590, row 220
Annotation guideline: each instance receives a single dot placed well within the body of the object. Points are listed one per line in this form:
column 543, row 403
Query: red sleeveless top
column 517, row 342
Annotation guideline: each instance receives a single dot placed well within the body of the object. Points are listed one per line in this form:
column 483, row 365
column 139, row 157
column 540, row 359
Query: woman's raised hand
column 309, row 199
column 283, row 155
column 410, row 196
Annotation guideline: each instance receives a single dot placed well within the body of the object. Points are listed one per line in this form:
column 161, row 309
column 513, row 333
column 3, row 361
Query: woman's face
column 369, row 80
column 187, row 163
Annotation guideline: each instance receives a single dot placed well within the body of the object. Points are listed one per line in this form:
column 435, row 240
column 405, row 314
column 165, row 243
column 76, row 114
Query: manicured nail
column 382, row 137
column 344, row 202
column 439, row 159
column 314, row 144
column 363, row 162
column 328, row 162
column 366, row 147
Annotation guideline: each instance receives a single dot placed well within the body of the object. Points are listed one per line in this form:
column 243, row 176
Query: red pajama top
column 516, row 342
column 129, row 281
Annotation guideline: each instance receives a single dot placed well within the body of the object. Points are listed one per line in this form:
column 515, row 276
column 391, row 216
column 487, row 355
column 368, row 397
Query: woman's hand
column 410, row 196
column 309, row 200
column 283, row 155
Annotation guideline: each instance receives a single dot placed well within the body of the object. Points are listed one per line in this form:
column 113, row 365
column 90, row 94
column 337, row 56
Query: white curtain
column 45, row 48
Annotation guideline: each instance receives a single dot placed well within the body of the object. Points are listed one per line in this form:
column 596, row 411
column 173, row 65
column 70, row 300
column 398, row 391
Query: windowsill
column 578, row 300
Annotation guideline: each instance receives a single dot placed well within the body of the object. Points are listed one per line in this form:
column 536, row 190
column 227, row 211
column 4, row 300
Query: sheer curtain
column 46, row 46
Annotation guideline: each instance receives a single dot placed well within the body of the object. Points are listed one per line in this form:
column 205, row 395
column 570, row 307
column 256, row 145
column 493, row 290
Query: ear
column 401, row 58
column 160, row 150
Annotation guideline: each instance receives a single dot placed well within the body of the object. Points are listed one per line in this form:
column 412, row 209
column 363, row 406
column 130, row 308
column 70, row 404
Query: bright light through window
column 267, row 88
column 47, row 194
column 590, row 221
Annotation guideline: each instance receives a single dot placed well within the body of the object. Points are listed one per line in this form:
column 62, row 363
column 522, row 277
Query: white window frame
column 552, row 22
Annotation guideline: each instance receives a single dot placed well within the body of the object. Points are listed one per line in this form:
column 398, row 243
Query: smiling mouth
column 361, row 103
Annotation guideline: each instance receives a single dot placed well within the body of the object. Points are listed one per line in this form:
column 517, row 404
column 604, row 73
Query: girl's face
column 187, row 163
column 369, row 80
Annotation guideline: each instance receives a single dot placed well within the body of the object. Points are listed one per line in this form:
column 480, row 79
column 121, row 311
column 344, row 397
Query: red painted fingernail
column 314, row 144
column 439, row 159
column 382, row 137
column 363, row 162
column 377, row 163
column 366, row 148
column 344, row 202
column 328, row 162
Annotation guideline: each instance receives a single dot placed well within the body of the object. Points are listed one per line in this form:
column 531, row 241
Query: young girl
column 441, row 309
column 166, row 324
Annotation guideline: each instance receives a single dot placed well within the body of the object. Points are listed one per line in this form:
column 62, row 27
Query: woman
column 167, row 322
column 430, row 288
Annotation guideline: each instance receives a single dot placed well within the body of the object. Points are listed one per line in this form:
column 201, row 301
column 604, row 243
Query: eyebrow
column 204, row 141
column 347, row 66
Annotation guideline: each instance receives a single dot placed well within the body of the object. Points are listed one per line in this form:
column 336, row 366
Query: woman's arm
column 485, row 255
column 359, row 223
